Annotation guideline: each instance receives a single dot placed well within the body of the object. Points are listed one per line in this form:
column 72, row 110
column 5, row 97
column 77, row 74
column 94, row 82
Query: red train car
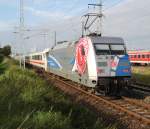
column 140, row 57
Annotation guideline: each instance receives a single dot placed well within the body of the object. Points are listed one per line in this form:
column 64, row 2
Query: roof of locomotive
column 109, row 40
column 63, row 45
column 94, row 39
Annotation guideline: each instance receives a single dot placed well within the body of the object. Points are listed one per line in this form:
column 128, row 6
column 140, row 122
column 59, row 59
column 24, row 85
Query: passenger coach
column 140, row 57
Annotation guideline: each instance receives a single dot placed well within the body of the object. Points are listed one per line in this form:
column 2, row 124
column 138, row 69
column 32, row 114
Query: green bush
column 2, row 65
column 6, row 50
column 1, row 58
column 141, row 74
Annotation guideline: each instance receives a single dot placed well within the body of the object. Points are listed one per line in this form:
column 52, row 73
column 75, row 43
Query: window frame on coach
column 37, row 57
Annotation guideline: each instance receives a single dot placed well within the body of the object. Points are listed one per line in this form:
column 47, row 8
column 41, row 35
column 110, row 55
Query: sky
column 128, row 19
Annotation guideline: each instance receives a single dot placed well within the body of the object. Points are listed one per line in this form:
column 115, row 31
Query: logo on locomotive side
column 114, row 63
column 81, row 55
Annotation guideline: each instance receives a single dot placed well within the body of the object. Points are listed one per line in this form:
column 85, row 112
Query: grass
column 27, row 101
column 141, row 74
column 6, row 64
column 2, row 66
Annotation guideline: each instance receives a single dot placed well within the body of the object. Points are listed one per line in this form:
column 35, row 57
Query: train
column 98, row 63
column 139, row 57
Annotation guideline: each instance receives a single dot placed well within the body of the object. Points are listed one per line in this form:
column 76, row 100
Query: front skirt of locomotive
column 113, row 85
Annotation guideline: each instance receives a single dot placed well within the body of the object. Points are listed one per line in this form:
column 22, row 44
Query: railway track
column 140, row 87
column 135, row 114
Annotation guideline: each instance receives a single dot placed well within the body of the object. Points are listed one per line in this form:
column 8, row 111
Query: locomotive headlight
column 94, row 81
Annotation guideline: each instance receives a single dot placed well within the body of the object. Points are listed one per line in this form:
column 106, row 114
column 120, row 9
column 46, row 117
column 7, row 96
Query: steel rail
column 140, row 87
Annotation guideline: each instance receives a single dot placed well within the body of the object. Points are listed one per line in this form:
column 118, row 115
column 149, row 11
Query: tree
column 1, row 55
column 1, row 50
column 6, row 50
column 1, row 58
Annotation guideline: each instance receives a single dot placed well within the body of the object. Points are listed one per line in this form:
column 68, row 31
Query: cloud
column 6, row 26
column 130, row 19
column 47, row 14
column 40, row 1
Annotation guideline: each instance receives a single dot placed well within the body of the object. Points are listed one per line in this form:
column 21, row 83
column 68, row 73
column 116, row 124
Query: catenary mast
column 93, row 18
column 21, row 30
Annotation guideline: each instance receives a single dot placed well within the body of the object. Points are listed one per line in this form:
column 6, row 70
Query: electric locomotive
column 99, row 63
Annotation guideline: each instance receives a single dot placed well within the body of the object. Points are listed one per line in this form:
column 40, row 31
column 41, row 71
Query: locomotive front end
column 113, row 65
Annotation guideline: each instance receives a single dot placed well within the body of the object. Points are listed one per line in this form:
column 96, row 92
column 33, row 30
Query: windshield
column 102, row 49
column 117, row 49
column 107, row 49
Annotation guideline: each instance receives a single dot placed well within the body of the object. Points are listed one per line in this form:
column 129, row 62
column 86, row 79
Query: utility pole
column 55, row 38
column 21, row 13
column 21, row 31
column 101, row 18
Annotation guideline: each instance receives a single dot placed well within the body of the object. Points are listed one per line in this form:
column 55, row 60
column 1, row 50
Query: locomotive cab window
column 102, row 49
column 117, row 49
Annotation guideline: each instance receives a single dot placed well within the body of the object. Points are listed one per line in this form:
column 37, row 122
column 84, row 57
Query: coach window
column 33, row 57
column 40, row 57
column 27, row 57
column 148, row 56
column 134, row 56
column 37, row 58
column 139, row 56
column 143, row 56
